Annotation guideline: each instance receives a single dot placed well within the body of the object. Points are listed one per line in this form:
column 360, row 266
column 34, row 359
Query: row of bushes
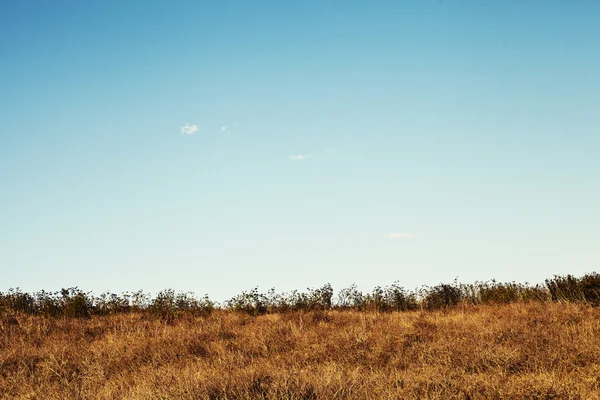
column 168, row 304
column 73, row 302
column 396, row 298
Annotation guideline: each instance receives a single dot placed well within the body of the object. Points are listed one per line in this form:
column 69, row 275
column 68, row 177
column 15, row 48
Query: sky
column 215, row 146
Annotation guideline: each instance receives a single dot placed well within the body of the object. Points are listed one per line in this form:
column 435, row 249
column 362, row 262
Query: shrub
column 351, row 297
column 399, row 299
column 441, row 296
column 590, row 286
column 48, row 304
column 168, row 305
column 565, row 288
column 75, row 303
column 570, row 288
column 321, row 298
column 252, row 302
column 17, row 301
column 111, row 303
column 495, row 292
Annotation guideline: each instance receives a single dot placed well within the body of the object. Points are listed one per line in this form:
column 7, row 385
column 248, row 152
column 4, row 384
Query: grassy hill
column 523, row 349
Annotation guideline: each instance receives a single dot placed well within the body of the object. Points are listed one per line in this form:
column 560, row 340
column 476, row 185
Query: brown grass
column 514, row 351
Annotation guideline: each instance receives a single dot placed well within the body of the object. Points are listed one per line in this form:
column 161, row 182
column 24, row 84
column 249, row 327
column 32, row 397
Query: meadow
column 453, row 341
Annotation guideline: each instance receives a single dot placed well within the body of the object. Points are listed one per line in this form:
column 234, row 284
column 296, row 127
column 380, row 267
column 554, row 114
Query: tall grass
column 485, row 340
column 522, row 350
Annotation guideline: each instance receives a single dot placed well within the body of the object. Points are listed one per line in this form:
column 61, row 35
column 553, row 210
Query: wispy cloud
column 300, row 157
column 325, row 154
column 400, row 235
column 224, row 128
column 189, row 129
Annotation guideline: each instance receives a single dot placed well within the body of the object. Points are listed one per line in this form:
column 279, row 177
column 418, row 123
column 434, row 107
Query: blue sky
column 330, row 141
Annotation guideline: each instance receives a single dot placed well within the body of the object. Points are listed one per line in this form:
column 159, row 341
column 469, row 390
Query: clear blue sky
column 337, row 141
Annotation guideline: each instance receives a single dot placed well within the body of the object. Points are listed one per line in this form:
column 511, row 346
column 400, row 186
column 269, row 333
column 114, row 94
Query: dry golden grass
column 515, row 351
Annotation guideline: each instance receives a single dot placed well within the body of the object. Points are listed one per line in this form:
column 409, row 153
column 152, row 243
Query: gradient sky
column 337, row 141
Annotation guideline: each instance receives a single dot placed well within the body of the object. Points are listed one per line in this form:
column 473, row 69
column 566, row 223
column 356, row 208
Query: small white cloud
column 224, row 128
column 301, row 157
column 189, row 129
column 400, row 235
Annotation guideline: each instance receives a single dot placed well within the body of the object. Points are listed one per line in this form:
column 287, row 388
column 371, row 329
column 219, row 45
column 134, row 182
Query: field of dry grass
column 514, row 351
